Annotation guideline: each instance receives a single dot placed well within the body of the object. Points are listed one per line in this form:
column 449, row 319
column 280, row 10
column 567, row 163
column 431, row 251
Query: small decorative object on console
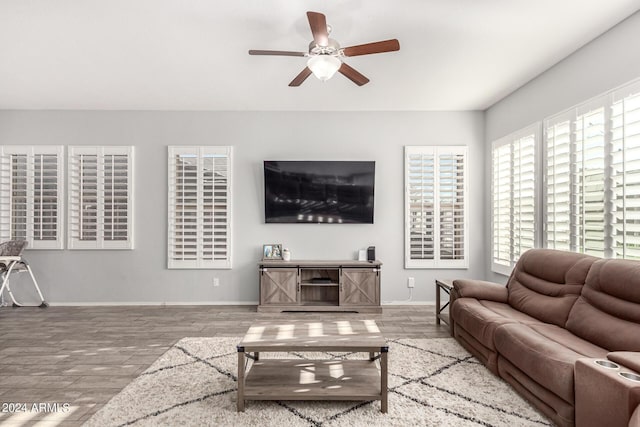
column 286, row 254
column 272, row 251
column 371, row 253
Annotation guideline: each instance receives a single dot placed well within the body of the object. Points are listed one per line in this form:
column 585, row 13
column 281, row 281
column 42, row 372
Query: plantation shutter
column 420, row 170
column 625, row 169
column 100, row 197
column 452, row 179
column 576, row 177
column 600, row 204
column 501, row 192
column 589, row 181
column 31, row 200
column 435, row 207
column 524, row 192
column 558, row 189
column 513, row 197
column 199, row 225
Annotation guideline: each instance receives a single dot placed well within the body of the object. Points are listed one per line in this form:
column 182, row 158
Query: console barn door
column 360, row 286
column 279, row 286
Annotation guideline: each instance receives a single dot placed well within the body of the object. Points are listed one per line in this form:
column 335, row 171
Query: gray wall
column 141, row 276
column 605, row 63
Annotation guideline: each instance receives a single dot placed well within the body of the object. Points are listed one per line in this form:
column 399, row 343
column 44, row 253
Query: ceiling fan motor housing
column 332, row 48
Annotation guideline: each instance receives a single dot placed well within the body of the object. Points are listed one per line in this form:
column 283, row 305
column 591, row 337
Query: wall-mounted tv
column 323, row 192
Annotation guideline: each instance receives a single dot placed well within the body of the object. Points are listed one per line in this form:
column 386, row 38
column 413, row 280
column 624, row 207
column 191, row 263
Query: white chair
column 12, row 261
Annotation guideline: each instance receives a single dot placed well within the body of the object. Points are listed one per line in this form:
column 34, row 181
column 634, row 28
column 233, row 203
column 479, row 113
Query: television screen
column 324, row 192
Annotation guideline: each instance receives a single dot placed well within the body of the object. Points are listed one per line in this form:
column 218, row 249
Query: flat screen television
column 323, row 192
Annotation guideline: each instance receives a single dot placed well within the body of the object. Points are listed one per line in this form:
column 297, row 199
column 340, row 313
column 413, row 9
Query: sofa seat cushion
column 545, row 353
column 480, row 318
column 628, row 359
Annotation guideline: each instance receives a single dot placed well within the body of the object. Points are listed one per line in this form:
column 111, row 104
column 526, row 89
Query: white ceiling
column 192, row 54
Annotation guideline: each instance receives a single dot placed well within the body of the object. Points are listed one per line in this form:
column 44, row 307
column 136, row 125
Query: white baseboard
column 181, row 303
column 147, row 303
column 385, row 303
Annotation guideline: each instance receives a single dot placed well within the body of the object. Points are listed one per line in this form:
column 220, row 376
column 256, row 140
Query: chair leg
column 4, row 285
column 43, row 303
column 5, row 279
column 16, row 304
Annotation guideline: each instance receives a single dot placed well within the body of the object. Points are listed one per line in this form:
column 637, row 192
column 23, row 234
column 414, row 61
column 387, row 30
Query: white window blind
column 625, row 170
column 575, row 178
column 31, row 195
column 436, row 233
column 199, row 226
column 513, row 197
column 100, row 197
column 592, row 201
column 557, row 191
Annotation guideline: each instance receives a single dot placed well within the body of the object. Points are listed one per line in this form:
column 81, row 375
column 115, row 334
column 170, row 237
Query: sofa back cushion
column 545, row 283
column 608, row 310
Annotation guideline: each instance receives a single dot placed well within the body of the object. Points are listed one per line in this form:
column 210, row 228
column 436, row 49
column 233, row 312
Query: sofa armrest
column 480, row 289
column 635, row 418
column 630, row 359
column 602, row 395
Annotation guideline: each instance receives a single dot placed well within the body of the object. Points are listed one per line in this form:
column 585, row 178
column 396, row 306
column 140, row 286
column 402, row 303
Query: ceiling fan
column 325, row 54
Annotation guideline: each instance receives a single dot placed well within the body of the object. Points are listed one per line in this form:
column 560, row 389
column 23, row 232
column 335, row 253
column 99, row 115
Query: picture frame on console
column 272, row 251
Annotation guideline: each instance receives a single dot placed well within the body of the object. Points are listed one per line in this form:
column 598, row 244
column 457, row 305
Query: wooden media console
column 319, row 286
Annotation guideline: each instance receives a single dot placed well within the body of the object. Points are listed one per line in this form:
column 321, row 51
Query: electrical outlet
column 216, row 281
column 411, row 282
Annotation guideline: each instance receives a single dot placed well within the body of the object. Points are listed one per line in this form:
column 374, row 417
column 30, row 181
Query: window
column 592, row 198
column 575, row 168
column 100, row 197
column 199, row 233
column 513, row 197
column 625, row 173
column 31, row 195
column 436, row 207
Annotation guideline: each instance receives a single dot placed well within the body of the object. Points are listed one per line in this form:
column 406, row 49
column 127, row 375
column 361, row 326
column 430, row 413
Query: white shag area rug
column 432, row 382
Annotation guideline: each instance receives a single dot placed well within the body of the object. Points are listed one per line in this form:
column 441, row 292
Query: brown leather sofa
column 543, row 333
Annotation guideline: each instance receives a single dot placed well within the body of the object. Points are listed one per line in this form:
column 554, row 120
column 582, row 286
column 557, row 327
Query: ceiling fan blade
column 276, row 52
column 318, row 24
column 369, row 48
column 353, row 75
column 300, row 78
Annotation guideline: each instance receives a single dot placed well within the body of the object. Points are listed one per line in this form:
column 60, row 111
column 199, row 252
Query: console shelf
column 319, row 286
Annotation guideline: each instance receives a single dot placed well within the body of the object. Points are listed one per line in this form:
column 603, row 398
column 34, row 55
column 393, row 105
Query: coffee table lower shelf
column 286, row 379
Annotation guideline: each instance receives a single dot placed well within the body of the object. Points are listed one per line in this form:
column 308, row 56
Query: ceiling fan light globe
column 324, row 66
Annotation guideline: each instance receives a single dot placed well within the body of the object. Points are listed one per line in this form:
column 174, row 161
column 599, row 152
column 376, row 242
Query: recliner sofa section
column 558, row 308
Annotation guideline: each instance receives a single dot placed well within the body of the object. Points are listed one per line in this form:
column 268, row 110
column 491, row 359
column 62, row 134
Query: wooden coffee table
column 302, row 379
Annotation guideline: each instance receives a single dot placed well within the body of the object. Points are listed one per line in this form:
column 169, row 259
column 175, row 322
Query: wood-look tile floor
column 83, row 356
